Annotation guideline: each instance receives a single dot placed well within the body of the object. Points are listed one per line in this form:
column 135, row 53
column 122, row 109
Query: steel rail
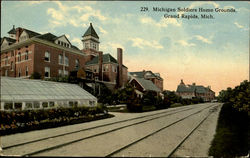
column 138, row 140
column 102, row 133
column 187, row 136
column 81, row 130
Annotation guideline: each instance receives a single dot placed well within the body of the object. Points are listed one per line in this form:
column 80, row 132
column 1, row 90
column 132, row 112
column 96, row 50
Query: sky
column 210, row 52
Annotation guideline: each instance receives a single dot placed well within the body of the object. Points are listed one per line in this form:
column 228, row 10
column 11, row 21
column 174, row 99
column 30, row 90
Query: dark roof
column 51, row 38
column 91, row 31
column 48, row 37
column 141, row 74
column 147, row 84
column 107, row 58
column 12, row 31
column 11, row 40
column 31, row 33
column 192, row 88
column 74, row 47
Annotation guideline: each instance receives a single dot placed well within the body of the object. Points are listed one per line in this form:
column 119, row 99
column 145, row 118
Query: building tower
column 90, row 41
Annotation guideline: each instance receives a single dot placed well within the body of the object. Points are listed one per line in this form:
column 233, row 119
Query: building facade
column 192, row 91
column 26, row 52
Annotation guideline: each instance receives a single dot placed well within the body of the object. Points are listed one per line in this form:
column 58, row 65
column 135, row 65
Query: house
column 142, row 85
column 149, row 75
column 25, row 52
column 191, row 91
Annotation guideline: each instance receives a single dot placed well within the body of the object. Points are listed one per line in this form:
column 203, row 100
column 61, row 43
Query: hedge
column 26, row 120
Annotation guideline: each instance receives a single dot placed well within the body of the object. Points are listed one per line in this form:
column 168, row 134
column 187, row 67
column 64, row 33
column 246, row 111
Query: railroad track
column 153, row 133
column 190, row 133
column 164, row 114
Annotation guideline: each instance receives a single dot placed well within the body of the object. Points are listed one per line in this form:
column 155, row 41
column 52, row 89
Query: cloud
column 102, row 30
column 66, row 14
column 198, row 4
column 162, row 23
column 141, row 43
column 240, row 26
column 203, row 39
column 34, row 2
column 56, row 15
column 77, row 42
column 185, row 43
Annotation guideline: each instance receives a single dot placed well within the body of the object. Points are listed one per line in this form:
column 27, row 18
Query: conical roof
column 91, row 31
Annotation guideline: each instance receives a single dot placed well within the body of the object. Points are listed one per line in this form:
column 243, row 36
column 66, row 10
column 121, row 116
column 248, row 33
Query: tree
column 35, row 75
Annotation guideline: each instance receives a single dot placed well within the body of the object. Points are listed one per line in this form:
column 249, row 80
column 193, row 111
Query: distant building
column 149, row 75
column 25, row 52
column 191, row 91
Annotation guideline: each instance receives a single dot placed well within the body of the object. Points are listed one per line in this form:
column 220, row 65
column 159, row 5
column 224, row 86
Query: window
column 77, row 63
column 96, row 78
column 66, row 61
column 12, row 66
column 26, row 55
column 92, row 103
column 26, row 71
column 60, row 59
column 59, row 42
column 6, row 60
column 51, row 104
column 19, row 57
column 94, row 46
column 28, row 105
column 60, row 72
column 86, row 45
column 19, row 72
column 12, row 53
column 45, row 104
column 8, row 106
column 6, row 72
column 47, row 72
column 71, row 103
column 105, row 68
column 114, row 69
column 36, row 105
column 47, row 56
column 66, row 73
column 18, row 106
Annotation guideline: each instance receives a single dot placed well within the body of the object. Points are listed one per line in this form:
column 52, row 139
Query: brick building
column 25, row 52
column 191, row 91
column 149, row 75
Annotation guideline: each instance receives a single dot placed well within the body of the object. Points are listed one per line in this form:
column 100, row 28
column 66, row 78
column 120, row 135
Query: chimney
column 182, row 82
column 119, row 59
column 18, row 33
column 100, row 61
